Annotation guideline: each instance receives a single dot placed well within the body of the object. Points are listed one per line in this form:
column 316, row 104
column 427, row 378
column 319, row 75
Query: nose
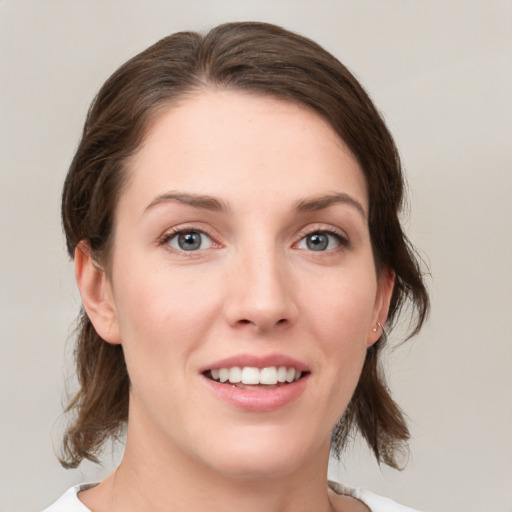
column 261, row 293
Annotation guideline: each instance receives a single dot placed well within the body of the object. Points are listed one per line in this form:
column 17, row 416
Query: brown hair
column 262, row 59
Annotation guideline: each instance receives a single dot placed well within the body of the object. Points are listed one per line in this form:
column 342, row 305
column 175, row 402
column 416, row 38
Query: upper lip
column 257, row 361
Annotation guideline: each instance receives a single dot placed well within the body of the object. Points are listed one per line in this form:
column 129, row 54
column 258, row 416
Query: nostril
column 263, row 324
column 245, row 321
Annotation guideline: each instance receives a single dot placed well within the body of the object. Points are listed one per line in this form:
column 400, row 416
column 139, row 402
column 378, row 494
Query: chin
column 253, row 456
column 260, row 468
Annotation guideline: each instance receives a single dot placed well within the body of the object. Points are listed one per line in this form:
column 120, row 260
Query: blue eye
column 189, row 241
column 320, row 241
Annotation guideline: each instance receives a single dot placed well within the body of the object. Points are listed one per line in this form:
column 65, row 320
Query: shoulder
column 373, row 501
column 69, row 501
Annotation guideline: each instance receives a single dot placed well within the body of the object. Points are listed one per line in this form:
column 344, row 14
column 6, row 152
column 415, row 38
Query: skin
column 254, row 287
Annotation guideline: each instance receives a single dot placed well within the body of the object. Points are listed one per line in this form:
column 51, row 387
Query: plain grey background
column 440, row 71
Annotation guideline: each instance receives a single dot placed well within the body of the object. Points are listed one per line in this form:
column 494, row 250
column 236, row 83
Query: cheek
column 164, row 320
column 163, row 314
column 341, row 308
column 339, row 315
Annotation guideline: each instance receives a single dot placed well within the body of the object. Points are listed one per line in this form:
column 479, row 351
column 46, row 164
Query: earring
column 379, row 325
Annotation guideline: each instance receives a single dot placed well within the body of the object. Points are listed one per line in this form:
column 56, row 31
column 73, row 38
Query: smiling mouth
column 250, row 377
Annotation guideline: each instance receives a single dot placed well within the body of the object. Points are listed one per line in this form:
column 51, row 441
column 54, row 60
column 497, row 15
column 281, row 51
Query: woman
column 232, row 213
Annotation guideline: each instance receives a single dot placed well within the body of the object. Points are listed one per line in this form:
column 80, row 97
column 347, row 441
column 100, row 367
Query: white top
column 69, row 501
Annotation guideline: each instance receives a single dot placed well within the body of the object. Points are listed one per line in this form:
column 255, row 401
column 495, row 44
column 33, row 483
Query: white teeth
column 250, row 375
column 235, row 375
column 281, row 374
column 253, row 376
column 268, row 376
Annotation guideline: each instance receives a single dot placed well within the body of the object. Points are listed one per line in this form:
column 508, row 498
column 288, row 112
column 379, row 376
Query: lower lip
column 258, row 400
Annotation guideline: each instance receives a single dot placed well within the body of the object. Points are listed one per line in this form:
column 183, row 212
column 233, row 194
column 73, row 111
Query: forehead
column 241, row 147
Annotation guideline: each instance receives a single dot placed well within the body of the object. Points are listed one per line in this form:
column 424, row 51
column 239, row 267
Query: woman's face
column 242, row 243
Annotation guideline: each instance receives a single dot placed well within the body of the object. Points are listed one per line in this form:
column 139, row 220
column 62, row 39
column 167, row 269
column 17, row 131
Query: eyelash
column 175, row 232
column 340, row 237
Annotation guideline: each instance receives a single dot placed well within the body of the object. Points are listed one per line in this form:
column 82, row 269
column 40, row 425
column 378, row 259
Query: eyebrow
column 204, row 202
column 213, row 204
column 324, row 201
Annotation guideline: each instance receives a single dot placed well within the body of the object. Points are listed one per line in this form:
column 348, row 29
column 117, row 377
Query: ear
column 385, row 286
column 96, row 291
